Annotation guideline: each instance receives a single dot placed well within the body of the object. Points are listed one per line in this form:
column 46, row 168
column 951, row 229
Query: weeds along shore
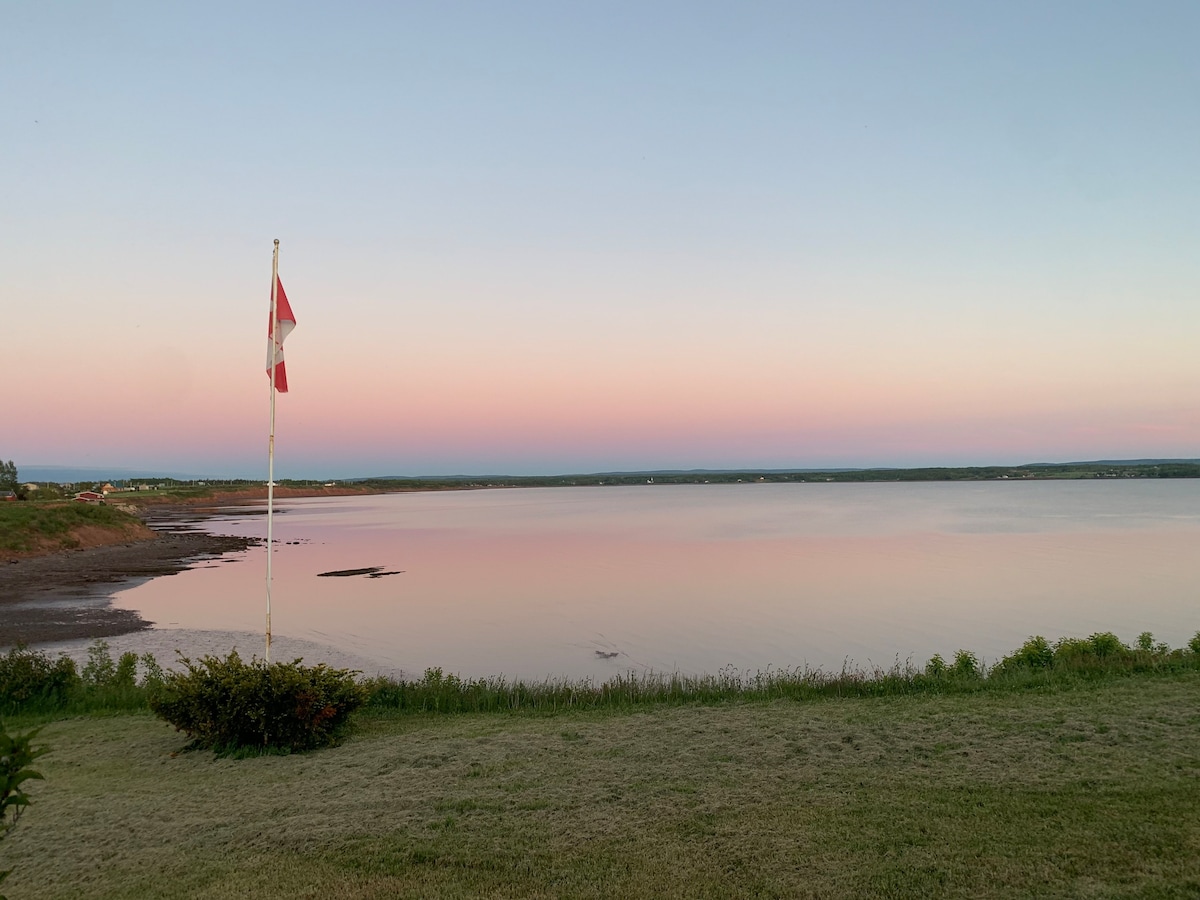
column 36, row 687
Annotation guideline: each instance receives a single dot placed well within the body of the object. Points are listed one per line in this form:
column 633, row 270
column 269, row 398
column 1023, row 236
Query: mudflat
column 65, row 595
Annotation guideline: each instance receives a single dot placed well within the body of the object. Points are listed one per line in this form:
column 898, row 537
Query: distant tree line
column 964, row 473
column 8, row 476
column 9, row 479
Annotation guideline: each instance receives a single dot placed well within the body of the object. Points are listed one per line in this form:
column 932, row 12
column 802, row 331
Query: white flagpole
column 271, row 440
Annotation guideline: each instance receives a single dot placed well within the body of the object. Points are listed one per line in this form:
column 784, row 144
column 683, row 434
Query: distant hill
column 1164, row 468
column 1121, row 462
column 633, row 473
column 73, row 474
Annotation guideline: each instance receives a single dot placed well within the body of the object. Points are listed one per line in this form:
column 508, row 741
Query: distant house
column 9, row 495
column 31, row 487
column 106, row 487
column 89, row 497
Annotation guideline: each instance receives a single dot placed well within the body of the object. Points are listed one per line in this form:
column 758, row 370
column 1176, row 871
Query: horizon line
column 123, row 473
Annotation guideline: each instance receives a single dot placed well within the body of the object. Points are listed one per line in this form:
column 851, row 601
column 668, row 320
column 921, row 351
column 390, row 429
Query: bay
column 593, row 582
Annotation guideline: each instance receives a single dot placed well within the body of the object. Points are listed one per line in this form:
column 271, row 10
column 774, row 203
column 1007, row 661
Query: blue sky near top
column 547, row 237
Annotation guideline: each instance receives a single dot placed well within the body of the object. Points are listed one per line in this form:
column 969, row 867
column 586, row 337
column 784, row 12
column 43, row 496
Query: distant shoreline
column 194, row 495
column 224, row 492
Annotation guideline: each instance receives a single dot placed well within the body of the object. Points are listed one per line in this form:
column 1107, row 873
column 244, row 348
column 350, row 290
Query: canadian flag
column 275, row 339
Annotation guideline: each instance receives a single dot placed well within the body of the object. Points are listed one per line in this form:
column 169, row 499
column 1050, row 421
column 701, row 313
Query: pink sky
column 771, row 238
column 493, row 398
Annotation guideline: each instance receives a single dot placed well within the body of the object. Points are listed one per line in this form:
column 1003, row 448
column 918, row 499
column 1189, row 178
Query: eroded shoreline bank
column 66, row 595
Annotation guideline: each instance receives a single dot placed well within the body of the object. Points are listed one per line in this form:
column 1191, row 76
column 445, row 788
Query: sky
column 529, row 238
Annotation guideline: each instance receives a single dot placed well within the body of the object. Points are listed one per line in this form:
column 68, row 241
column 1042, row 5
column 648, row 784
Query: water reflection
column 532, row 583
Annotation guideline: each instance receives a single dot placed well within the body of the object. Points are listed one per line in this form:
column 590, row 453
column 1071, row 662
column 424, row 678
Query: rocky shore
column 66, row 595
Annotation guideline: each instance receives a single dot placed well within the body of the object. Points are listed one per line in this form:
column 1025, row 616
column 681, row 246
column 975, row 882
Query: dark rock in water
column 369, row 571
column 603, row 655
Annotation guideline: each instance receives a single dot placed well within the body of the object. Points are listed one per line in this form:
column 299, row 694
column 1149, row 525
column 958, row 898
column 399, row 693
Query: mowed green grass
column 1084, row 791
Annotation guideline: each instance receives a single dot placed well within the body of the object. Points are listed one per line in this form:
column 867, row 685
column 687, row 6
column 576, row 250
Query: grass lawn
column 1084, row 791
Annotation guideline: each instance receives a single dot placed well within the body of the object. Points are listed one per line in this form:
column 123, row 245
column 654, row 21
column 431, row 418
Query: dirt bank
column 50, row 594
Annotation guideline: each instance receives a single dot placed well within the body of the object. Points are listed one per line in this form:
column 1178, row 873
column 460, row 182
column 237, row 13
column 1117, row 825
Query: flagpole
column 271, row 439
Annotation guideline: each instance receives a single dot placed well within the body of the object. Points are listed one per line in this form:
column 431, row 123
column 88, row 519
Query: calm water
column 532, row 583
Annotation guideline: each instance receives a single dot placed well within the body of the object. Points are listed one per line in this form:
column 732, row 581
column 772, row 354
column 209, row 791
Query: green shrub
column 102, row 673
column 1035, row 653
column 966, row 665
column 1108, row 644
column 1194, row 643
column 30, row 676
column 154, row 676
column 1147, row 644
column 1068, row 650
column 228, row 705
column 112, row 686
column 1101, row 647
column 125, row 675
column 936, row 667
column 16, row 753
column 99, row 670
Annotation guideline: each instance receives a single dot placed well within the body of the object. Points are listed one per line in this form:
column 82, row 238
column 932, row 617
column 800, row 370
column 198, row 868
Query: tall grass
column 1069, row 660
column 436, row 692
column 26, row 526
column 33, row 684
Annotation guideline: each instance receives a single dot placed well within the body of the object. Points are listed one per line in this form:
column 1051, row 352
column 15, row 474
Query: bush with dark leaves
column 228, row 705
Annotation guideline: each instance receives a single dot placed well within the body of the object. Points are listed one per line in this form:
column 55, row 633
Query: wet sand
column 66, row 595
